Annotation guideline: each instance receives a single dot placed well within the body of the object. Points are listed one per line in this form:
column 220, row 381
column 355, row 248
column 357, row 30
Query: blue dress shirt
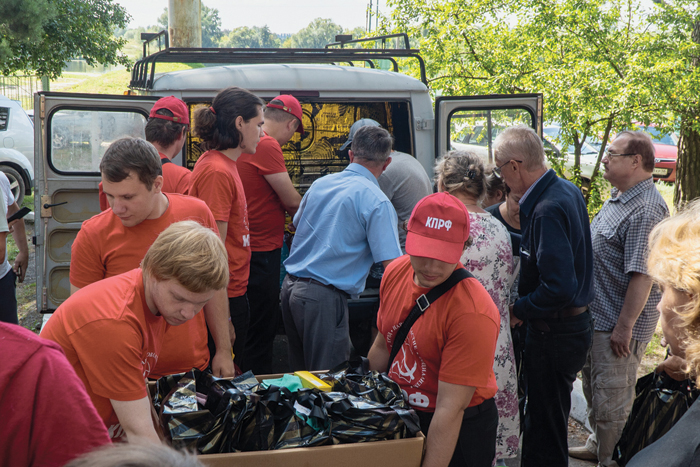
column 344, row 224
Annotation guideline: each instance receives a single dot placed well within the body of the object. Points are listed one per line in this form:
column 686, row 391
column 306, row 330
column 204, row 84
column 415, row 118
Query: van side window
column 4, row 118
column 79, row 137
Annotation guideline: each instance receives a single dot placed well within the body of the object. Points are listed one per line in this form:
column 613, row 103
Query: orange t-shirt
column 215, row 181
column 454, row 341
column 265, row 209
column 176, row 179
column 104, row 248
column 112, row 340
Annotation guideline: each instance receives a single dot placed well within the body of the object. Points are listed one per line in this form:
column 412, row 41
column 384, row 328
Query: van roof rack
column 143, row 73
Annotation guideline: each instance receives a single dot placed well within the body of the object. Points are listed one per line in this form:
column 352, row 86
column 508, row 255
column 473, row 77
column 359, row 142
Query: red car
column 666, row 148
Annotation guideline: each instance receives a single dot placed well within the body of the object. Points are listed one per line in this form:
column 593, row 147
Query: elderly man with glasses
column 624, row 308
column 555, row 288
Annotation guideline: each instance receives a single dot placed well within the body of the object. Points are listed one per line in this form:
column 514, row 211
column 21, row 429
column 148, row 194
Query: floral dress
column 490, row 259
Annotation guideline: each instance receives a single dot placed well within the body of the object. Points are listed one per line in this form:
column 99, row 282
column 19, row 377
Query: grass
column 666, row 190
column 116, row 82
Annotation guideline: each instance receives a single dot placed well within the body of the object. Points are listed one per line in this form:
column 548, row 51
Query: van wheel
column 16, row 183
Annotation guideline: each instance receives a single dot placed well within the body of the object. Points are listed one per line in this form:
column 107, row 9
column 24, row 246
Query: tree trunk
column 688, row 165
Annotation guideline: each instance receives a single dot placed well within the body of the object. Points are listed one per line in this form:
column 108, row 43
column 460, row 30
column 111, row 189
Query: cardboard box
column 391, row 453
column 406, row 452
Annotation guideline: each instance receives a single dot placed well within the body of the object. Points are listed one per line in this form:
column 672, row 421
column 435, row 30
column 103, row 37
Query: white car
column 589, row 153
column 16, row 147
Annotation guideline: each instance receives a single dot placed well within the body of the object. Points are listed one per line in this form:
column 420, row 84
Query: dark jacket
column 556, row 258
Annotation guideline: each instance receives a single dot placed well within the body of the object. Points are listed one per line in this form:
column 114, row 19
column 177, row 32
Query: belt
column 541, row 325
column 294, row 278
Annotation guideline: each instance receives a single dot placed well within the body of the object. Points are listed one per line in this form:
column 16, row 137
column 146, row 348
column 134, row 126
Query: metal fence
column 20, row 88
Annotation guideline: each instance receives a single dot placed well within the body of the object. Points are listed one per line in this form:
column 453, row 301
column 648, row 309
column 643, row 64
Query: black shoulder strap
column 422, row 303
column 165, row 160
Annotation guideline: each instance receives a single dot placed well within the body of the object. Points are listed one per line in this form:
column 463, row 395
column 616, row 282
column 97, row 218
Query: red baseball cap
column 291, row 106
column 438, row 228
column 173, row 104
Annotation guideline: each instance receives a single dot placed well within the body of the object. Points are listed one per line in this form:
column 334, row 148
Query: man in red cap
column 269, row 194
column 166, row 129
column 445, row 362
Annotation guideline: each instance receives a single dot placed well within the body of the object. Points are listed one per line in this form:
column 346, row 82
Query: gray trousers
column 608, row 385
column 316, row 322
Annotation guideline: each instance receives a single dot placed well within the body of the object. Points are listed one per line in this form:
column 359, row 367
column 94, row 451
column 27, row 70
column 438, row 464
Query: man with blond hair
column 624, row 308
column 112, row 331
column 555, row 288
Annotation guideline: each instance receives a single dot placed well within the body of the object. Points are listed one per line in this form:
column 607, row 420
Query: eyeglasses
column 612, row 154
column 497, row 170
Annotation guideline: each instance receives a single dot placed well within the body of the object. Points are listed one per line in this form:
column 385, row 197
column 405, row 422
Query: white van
column 74, row 130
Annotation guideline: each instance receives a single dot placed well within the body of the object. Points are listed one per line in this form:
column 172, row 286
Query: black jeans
column 552, row 360
column 476, row 445
column 264, row 299
column 240, row 317
column 8, row 299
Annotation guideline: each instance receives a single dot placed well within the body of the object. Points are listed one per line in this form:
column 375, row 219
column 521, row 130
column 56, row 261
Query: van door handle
column 48, row 206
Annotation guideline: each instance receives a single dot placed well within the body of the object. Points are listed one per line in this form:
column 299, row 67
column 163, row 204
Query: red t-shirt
column 104, row 248
column 265, row 209
column 215, row 181
column 112, row 340
column 454, row 341
column 47, row 417
column 176, row 179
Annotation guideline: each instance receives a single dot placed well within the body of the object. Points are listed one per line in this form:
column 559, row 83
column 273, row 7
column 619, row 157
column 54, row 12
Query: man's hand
column 673, row 367
column 12, row 224
column 20, row 266
column 514, row 320
column 620, row 340
column 222, row 366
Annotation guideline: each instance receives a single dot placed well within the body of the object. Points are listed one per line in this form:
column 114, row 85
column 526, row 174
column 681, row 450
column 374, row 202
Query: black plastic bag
column 354, row 378
column 284, row 419
column 199, row 411
column 660, row 402
column 357, row 419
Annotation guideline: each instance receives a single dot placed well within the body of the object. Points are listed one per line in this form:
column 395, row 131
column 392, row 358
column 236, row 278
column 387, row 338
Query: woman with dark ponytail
column 231, row 126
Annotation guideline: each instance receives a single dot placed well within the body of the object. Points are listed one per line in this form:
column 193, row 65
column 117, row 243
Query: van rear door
column 72, row 132
column 472, row 123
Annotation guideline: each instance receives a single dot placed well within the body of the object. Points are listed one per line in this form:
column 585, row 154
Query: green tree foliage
column 45, row 35
column 596, row 62
column 211, row 27
column 21, row 20
column 253, row 38
column 163, row 19
column 316, row 35
column 678, row 21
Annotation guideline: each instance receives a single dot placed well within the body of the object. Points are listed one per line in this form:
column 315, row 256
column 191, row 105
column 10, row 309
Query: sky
column 282, row 16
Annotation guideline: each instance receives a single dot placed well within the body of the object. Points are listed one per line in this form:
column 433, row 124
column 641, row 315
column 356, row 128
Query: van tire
column 17, row 184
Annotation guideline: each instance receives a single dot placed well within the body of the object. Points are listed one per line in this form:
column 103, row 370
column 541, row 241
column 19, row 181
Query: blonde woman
column 490, row 259
column 674, row 263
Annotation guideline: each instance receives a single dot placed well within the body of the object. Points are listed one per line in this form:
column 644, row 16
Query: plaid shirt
column 620, row 235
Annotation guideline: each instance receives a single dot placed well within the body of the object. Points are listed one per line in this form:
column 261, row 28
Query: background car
column 19, row 171
column 666, row 149
column 552, row 146
column 16, row 147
